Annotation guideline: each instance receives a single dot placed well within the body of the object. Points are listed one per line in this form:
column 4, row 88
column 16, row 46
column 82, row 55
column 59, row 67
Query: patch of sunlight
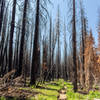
column 44, row 97
column 93, row 94
column 77, row 96
column 47, row 92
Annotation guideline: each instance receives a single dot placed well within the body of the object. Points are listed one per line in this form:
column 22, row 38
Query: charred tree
column 65, row 69
column 44, row 65
column 74, row 47
column 58, row 46
column 82, row 48
column 19, row 70
column 35, row 60
column 2, row 7
column 11, row 36
column 50, row 63
column 3, row 43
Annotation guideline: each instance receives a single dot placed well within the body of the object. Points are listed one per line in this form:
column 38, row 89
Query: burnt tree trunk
column 58, row 46
column 36, row 51
column 50, row 63
column 83, row 49
column 74, row 48
column 2, row 6
column 11, row 36
column 19, row 70
column 65, row 69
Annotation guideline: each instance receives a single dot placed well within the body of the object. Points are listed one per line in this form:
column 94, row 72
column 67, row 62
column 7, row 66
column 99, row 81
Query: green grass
column 77, row 96
column 71, row 95
column 93, row 94
column 3, row 98
column 49, row 91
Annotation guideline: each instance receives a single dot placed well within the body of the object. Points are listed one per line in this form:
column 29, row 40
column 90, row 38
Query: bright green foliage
column 2, row 98
column 50, row 92
column 93, row 94
column 77, row 96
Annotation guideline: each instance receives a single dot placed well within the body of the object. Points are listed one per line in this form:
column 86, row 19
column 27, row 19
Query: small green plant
column 2, row 98
column 94, row 94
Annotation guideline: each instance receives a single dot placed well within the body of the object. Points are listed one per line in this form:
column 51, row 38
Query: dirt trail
column 62, row 94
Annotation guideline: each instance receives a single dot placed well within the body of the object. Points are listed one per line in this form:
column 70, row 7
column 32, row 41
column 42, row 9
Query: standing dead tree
column 4, row 43
column 74, row 47
column 40, row 9
column 82, row 52
column 2, row 8
column 35, row 56
column 65, row 69
column 58, row 67
column 19, row 70
column 11, row 36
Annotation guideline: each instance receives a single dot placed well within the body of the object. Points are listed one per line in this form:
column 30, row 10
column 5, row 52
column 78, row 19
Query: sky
column 91, row 9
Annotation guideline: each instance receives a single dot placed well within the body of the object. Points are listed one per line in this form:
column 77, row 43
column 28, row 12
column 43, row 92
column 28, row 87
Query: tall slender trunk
column 3, row 41
column 74, row 48
column 85, row 31
column 19, row 71
column 11, row 36
column 2, row 7
column 36, row 51
column 58, row 41
column 83, row 48
column 50, row 66
column 65, row 55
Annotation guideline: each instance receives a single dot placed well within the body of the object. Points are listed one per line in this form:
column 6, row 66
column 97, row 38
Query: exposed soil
column 62, row 94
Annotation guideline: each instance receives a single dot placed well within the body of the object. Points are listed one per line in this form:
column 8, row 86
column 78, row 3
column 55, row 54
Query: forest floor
column 47, row 91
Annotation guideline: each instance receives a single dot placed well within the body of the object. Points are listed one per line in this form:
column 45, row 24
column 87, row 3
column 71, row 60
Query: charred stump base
column 62, row 94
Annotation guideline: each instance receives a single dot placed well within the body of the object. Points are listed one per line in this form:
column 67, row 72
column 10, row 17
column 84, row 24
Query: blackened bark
column 58, row 52
column 85, row 30
column 74, row 48
column 83, row 57
column 83, row 48
column 2, row 6
column 3, row 43
column 19, row 70
column 50, row 65
column 65, row 69
column 36, row 55
column 11, row 36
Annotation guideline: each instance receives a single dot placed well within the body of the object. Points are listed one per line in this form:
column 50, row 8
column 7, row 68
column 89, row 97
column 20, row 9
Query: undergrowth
column 49, row 91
